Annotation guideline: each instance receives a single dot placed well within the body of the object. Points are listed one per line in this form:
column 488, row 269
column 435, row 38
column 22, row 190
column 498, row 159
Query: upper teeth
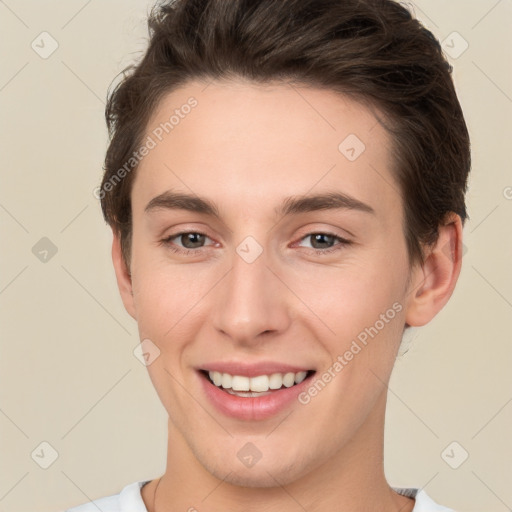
column 260, row 383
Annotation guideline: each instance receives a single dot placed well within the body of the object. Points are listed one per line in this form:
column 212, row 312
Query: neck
column 350, row 480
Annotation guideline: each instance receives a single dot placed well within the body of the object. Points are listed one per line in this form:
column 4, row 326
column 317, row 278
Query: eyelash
column 320, row 252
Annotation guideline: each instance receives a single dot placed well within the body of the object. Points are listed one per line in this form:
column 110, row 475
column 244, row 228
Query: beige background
column 68, row 374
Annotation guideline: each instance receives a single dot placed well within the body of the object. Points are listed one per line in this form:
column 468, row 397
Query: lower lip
column 252, row 408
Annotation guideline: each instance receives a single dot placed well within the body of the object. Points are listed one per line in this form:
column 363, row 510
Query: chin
column 263, row 477
column 273, row 471
column 251, row 480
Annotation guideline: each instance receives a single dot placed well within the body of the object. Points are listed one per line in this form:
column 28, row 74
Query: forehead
column 249, row 145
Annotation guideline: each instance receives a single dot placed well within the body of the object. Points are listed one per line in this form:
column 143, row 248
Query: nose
column 252, row 302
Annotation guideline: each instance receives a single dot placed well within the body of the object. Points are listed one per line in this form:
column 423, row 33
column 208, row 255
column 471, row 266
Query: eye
column 191, row 242
column 320, row 240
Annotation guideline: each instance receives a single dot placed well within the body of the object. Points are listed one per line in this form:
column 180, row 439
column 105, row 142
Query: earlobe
column 123, row 276
column 433, row 283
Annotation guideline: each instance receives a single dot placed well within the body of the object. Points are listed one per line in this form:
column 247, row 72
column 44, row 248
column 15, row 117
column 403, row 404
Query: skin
column 246, row 147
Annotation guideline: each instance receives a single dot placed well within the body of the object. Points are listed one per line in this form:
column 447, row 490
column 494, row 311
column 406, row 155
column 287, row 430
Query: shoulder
column 423, row 502
column 128, row 500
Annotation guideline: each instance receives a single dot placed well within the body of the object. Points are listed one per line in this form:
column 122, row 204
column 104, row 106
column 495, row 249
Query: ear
column 123, row 276
column 433, row 282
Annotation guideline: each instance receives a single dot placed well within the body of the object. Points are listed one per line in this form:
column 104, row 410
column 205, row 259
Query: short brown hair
column 374, row 51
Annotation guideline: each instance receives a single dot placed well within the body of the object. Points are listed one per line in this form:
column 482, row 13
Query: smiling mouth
column 260, row 385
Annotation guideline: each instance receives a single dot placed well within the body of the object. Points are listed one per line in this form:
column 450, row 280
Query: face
column 257, row 280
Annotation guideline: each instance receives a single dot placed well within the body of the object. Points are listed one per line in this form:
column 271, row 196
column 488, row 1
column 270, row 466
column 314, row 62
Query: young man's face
column 263, row 292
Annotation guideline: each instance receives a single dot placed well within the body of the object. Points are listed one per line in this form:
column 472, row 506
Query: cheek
column 350, row 297
column 358, row 317
column 167, row 299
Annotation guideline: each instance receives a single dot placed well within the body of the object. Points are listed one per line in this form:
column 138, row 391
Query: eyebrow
column 170, row 200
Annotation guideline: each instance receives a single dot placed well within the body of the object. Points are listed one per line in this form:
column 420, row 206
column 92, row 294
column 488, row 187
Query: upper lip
column 252, row 369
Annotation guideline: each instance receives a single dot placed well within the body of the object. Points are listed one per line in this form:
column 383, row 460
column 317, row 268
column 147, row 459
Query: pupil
column 189, row 237
column 319, row 236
